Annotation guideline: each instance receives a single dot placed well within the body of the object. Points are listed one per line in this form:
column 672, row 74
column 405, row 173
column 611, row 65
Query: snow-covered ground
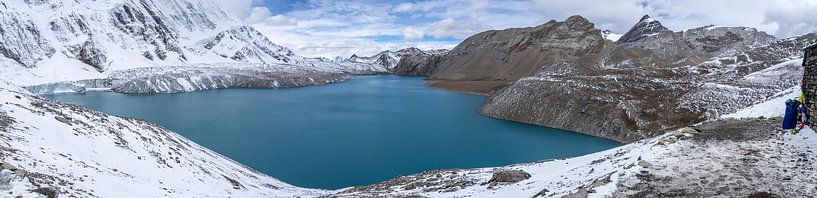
column 52, row 147
column 773, row 107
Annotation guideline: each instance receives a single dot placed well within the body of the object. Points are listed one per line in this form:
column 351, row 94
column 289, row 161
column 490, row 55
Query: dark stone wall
column 809, row 85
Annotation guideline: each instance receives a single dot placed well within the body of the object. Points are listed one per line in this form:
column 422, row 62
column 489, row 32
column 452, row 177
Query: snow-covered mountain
column 609, row 35
column 388, row 59
column 66, row 40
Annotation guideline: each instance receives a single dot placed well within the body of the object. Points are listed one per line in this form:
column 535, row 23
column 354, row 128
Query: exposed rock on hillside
column 645, row 27
column 418, row 65
column 649, row 81
column 631, row 104
column 506, row 55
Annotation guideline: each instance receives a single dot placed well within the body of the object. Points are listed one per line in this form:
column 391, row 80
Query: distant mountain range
column 68, row 40
column 388, row 59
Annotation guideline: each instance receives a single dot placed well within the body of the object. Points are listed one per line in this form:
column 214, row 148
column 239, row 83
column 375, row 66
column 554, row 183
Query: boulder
column 509, row 176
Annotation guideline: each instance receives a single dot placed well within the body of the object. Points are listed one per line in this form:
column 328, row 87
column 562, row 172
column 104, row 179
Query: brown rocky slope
column 566, row 75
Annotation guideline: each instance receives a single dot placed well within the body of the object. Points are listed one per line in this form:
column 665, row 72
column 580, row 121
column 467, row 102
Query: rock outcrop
column 645, row 27
column 507, row 55
column 418, row 65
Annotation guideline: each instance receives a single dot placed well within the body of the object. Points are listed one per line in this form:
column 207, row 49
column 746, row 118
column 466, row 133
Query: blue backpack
column 792, row 110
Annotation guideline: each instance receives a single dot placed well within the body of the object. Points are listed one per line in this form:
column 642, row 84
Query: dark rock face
column 809, row 84
column 418, row 65
column 645, row 27
column 90, row 54
column 506, row 55
column 143, row 21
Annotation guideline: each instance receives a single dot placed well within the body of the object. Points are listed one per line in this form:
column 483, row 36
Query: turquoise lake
column 363, row 131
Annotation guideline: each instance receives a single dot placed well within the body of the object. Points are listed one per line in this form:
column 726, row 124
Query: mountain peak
column 577, row 19
column 646, row 18
column 645, row 27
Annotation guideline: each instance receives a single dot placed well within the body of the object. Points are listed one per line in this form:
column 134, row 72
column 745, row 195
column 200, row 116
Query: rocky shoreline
column 719, row 158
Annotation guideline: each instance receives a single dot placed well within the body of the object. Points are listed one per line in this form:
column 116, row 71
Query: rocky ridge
column 567, row 75
column 645, row 27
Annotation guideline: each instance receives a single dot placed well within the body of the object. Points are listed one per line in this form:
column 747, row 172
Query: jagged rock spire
column 645, row 27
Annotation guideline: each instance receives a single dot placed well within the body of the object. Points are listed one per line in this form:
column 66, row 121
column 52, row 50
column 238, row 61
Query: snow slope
column 84, row 153
column 772, row 107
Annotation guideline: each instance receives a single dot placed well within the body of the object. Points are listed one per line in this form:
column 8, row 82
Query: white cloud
column 263, row 15
column 617, row 16
column 331, row 46
column 238, row 7
column 411, row 34
column 404, row 7
column 782, row 18
column 258, row 14
column 792, row 17
column 450, row 27
column 281, row 20
column 344, row 27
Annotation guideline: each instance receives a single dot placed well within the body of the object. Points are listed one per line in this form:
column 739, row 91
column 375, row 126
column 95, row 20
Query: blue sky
column 329, row 28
